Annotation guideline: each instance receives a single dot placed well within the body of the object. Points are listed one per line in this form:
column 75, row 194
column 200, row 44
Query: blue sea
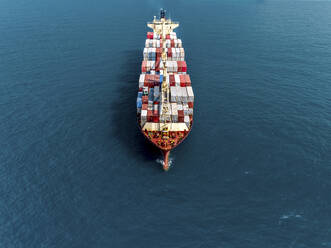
column 75, row 171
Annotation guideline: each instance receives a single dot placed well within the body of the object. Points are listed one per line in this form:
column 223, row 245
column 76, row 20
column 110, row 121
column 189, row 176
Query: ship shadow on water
column 126, row 129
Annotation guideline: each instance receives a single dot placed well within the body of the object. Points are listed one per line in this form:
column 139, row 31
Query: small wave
column 287, row 216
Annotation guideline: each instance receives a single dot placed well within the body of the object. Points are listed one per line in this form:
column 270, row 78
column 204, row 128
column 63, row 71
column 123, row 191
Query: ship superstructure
column 165, row 97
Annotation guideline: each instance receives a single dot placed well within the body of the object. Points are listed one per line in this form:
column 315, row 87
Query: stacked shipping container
column 149, row 106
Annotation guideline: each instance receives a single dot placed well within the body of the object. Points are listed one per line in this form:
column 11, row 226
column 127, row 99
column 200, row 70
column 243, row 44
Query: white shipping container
column 173, row 54
column 190, row 94
column 143, row 115
column 187, row 120
column 184, row 94
column 142, row 78
column 174, row 109
column 173, row 35
column 175, row 66
column 182, row 53
column 168, row 43
column 177, row 79
column 172, row 66
column 174, row 118
column 152, row 64
column 167, row 79
column 185, row 108
column 167, row 65
column 179, row 94
column 179, row 106
column 180, row 43
column 173, row 94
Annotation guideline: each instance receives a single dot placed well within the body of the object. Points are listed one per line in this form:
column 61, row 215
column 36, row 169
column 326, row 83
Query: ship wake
column 161, row 161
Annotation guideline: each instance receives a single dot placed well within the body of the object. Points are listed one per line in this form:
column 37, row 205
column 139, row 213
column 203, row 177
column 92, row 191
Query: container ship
column 165, row 97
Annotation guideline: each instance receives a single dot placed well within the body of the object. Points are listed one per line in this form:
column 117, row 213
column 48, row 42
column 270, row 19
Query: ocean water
column 254, row 172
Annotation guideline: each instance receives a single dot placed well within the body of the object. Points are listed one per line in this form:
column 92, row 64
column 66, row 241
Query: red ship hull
column 166, row 143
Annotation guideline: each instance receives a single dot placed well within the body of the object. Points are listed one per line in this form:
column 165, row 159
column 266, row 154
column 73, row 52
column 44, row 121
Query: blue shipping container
column 139, row 103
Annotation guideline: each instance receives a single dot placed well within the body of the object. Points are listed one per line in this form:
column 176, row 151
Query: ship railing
column 171, row 22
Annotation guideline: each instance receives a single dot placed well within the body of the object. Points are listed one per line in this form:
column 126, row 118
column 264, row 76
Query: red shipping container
column 172, row 78
column 156, row 102
column 144, row 66
column 187, row 79
column 149, row 84
column 179, row 66
column 156, row 119
column 190, row 104
column 159, row 50
column 168, row 36
column 149, row 115
column 182, row 80
column 144, row 106
column 140, row 89
column 144, row 99
column 148, row 78
column 184, row 66
column 172, row 43
column 169, row 53
column 150, row 35
column 172, row 84
column 157, row 64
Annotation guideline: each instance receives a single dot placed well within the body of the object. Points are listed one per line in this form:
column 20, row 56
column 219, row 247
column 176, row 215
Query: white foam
column 161, row 161
column 290, row 215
